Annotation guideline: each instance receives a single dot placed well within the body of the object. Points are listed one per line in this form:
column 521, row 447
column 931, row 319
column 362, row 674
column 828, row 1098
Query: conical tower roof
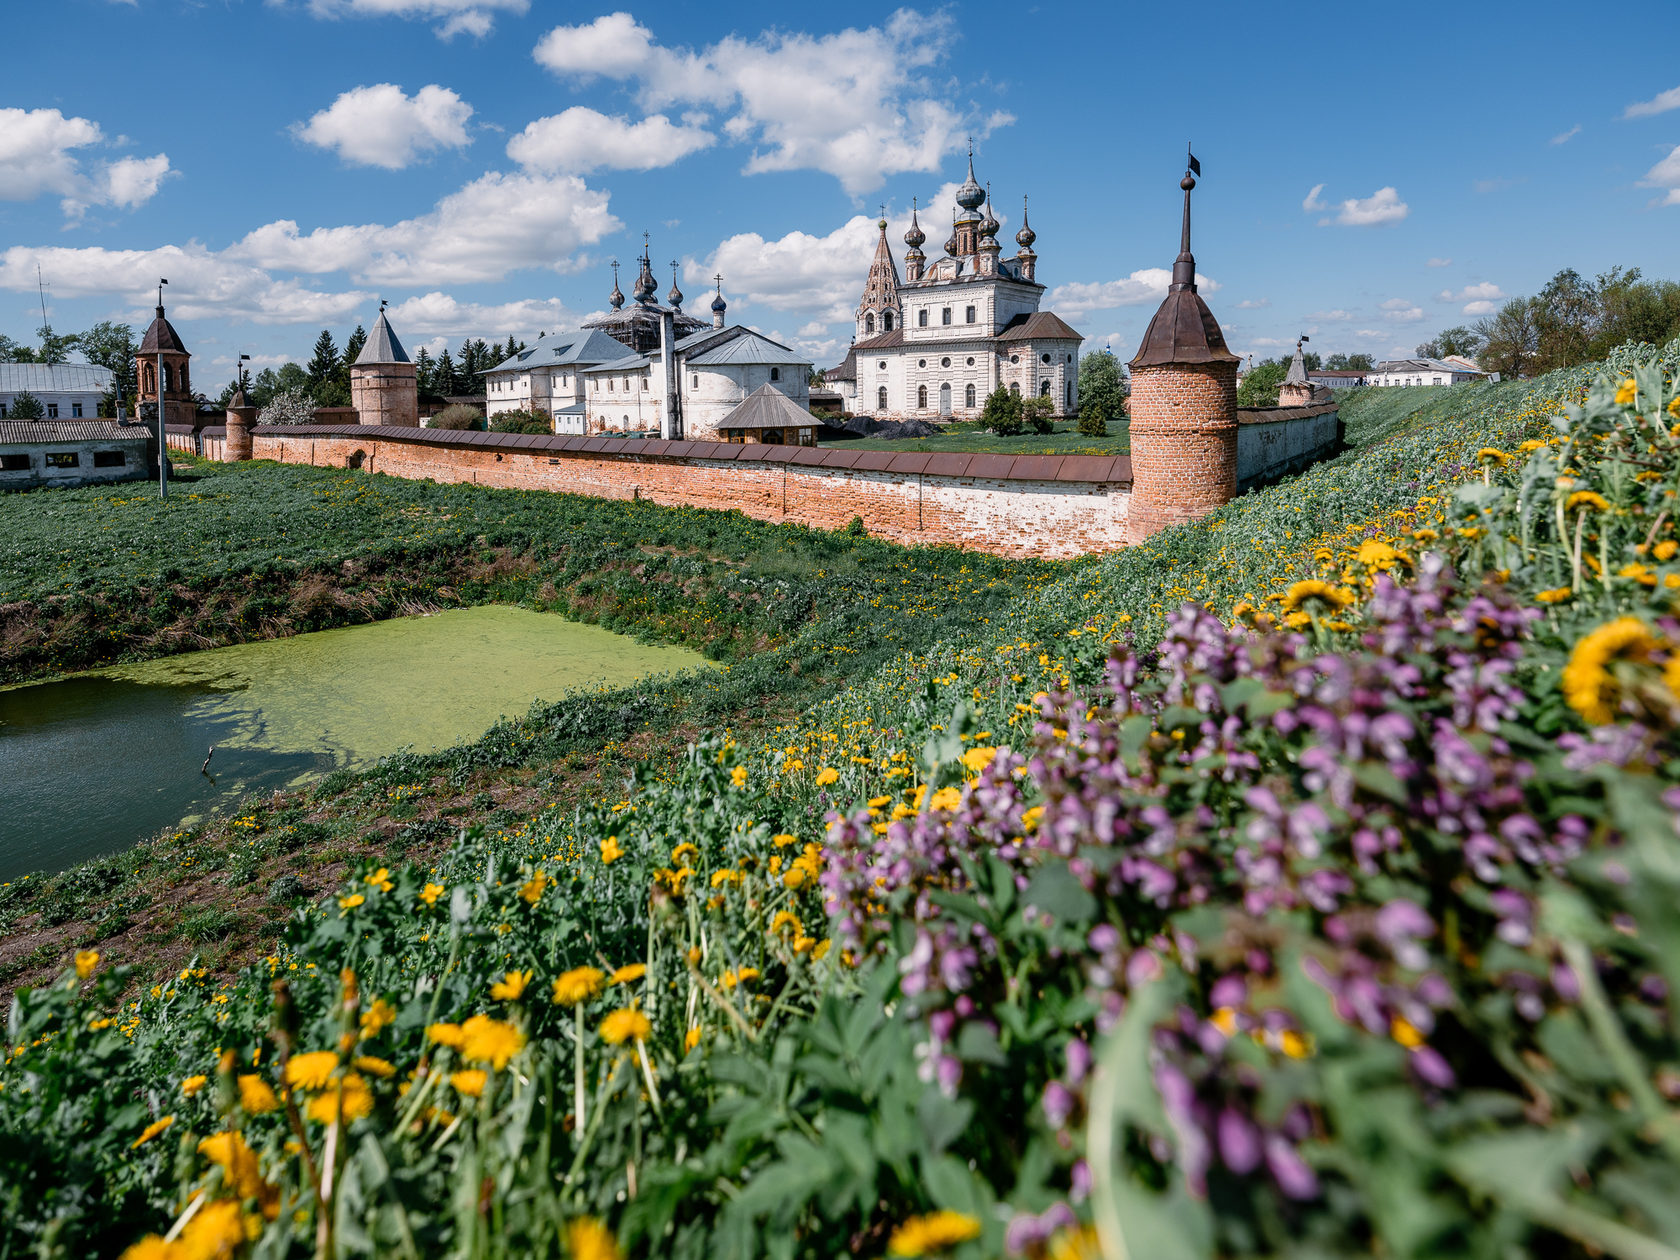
column 161, row 335
column 1184, row 330
column 1298, row 367
column 382, row 344
column 881, row 288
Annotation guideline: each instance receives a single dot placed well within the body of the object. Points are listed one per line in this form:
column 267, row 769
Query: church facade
column 933, row 345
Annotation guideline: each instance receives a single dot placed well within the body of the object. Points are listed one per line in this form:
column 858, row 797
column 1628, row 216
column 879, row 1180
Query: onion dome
column 915, row 236
column 675, row 297
column 616, row 298
column 989, row 225
column 1026, row 236
column 646, row 285
column 970, row 195
column 719, row 306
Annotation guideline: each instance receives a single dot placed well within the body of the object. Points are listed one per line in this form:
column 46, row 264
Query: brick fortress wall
column 1028, row 505
column 1184, row 443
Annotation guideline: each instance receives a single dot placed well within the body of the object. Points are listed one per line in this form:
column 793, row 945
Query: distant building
column 1455, row 371
column 1338, row 378
column 933, row 345
column 162, row 343
column 548, row 376
column 384, row 387
column 70, row 452
column 66, row 391
column 769, row 416
column 638, row 326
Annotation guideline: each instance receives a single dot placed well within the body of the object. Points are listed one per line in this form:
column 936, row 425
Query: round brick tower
column 383, row 386
column 1184, row 406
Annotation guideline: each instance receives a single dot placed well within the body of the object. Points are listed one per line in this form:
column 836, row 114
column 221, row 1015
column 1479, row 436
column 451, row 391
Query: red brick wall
column 1184, row 443
column 1051, row 519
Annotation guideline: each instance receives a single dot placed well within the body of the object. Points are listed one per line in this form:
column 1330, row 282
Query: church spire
column 1184, row 266
column 615, row 299
column 879, row 309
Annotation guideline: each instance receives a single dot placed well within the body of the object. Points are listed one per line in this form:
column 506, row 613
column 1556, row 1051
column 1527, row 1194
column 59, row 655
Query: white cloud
column 496, row 224
column 1370, row 333
column 1480, row 308
column 1564, row 137
column 1254, row 304
column 581, row 139
column 38, row 156
column 819, row 277
column 1661, row 103
column 380, row 125
column 860, row 104
column 1382, row 206
column 1312, row 204
column 1666, row 174
column 454, row 17
column 1140, row 288
column 203, row 284
column 1439, row 262
column 437, row 312
column 1335, row 316
column 1400, row 311
column 1269, row 342
column 1473, row 293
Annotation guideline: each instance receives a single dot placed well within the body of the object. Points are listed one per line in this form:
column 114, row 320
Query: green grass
column 969, row 439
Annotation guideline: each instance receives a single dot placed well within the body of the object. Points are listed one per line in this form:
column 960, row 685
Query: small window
column 75, row 411
column 869, row 323
column 921, row 362
column 1070, row 358
column 921, row 397
column 696, row 380
column 970, row 315
column 968, row 397
column 886, row 321
column 609, row 385
column 1014, row 358
column 14, row 463
column 52, row 411
column 945, row 362
column 1044, row 389
column 626, row 384
column 882, row 365
column 971, row 360
column 945, row 315
column 109, row 459
column 63, row 459
column 921, row 318
column 775, row 374
column 1044, row 358
column 1015, row 388
column 881, row 398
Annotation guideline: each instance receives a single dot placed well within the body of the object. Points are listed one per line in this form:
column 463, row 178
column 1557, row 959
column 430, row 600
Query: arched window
column 886, row 321
column 1015, row 388
column 775, row 374
column 881, row 398
column 1044, row 389
column 921, row 397
column 968, row 396
column 1067, row 396
column 869, row 323
column 168, row 379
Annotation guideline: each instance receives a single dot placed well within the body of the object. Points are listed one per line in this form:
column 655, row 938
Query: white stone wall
column 708, row 393
column 1269, row 449
column 542, row 388
column 42, row 473
column 66, row 402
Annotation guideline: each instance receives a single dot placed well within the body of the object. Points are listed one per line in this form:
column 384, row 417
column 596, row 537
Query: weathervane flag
column 1195, row 166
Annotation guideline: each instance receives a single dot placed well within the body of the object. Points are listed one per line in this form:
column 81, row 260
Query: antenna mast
column 41, row 288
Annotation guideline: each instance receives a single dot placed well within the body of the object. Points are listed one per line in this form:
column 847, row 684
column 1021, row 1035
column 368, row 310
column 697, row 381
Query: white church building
column 598, row 382
column 933, row 345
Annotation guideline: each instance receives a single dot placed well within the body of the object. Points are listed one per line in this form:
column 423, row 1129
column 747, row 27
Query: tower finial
column 1184, row 266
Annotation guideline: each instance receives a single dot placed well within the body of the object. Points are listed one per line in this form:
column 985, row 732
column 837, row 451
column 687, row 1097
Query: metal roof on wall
column 54, row 378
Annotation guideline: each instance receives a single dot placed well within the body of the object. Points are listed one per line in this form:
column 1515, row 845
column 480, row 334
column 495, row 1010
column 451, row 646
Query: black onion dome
column 915, row 237
column 970, row 195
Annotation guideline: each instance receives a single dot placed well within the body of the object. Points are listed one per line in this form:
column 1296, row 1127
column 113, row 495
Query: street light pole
column 162, row 433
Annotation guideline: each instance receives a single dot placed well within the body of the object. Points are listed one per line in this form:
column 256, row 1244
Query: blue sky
column 1369, row 176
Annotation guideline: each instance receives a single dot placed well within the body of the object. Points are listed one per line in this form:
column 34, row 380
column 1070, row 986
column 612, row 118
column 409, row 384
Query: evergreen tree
column 512, row 348
column 323, row 367
column 443, row 376
column 1002, row 412
column 466, row 367
column 264, row 385
column 25, row 406
column 423, row 369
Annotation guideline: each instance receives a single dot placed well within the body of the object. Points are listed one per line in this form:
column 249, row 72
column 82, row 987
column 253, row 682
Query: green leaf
column 1055, row 889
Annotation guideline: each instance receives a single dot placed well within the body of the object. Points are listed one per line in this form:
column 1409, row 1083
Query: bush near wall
column 1334, row 917
column 535, row 421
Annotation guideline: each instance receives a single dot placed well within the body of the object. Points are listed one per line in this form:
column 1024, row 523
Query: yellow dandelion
column 629, row 974
column 1313, row 592
column 738, row 776
column 977, row 759
column 578, row 985
column 691, row 1038
column 445, row 1035
column 352, row 1094
column 378, row 1017
column 351, row 902
column 1587, row 500
column 1554, row 596
column 311, row 1071
column 1589, row 685
column 1404, row 1032
column 624, row 1025
column 430, row 893
column 380, row 879
column 469, row 1081
column 588, row 1239
column 1492, row 456
column 937, row 1231
column 611, row 850
column 511, row 987
column 1665, row 550
column 256, row 1096
column 86, row 961
column 193, row 1084
column 151, row 1131
column 486, row 1040
column 827, row 775
column 683, row 852
column 382, row 1068
column 532, row 891
column 1626, row 392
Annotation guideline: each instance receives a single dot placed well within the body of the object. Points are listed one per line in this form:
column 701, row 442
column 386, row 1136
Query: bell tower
column 879, row 311
column 162, row 341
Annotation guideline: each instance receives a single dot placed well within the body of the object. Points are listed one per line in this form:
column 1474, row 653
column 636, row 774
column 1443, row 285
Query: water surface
column 92, row 763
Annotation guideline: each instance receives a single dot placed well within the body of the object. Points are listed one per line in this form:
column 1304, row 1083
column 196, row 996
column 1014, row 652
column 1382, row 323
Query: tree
column 1002, row 412
column 1566, row 317
column 54, row 349
column 1037, row 413
column 534, row 421
column 111, row 345
column 289, row 406
column 25, row 406
column 1510, row 338
column 1102, row 392
column 512, row 348
column 423, row 370
column 1360, row 362
column 14, row 351
column 352, row 350
column 1311, row 361
column 1260, row 384
column 443, row 375
column 323, row 366
column 264, row 385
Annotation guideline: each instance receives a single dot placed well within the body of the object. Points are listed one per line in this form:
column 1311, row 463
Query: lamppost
column 162, row 433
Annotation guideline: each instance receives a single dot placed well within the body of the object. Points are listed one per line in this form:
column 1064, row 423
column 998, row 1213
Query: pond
column 92, row 763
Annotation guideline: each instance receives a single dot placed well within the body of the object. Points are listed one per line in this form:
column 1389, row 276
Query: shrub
column 534, row 421
column 458, row 416
column 1002, row 412
column 1036, row 413
column 25, row 406
column 1091, row 422
column 292, row 406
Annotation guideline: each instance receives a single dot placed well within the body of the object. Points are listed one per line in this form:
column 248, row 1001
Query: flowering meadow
column 1301, row 883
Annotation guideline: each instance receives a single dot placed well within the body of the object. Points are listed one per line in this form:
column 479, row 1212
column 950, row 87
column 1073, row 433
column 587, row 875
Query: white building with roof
column 66, row 391
column 548, row 376
column 933, row 345
column 1424, row 372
